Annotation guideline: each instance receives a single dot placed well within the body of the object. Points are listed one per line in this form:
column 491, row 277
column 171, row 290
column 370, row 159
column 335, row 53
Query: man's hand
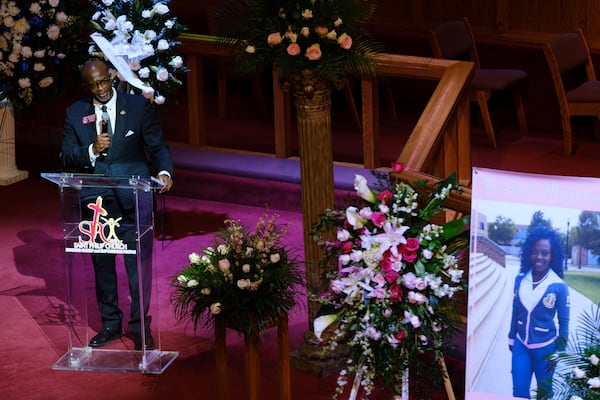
column 167, row 182
column 102, row 143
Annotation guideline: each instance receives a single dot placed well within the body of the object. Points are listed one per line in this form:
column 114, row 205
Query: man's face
column 98, row 81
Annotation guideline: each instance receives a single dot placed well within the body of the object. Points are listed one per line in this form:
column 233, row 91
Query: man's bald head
column 91, row 68
column 97, row 78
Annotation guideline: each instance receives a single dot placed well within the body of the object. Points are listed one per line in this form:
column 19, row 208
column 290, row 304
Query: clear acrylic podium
column 86, row 233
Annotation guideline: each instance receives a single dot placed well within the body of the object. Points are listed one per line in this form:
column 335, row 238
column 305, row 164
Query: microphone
column 105, row 126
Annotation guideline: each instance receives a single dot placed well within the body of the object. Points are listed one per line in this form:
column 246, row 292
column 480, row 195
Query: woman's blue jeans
column 525, row 363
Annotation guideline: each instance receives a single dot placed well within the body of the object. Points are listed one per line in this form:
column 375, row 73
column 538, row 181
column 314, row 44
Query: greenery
column 293, row 35
column 391, row 296
column 584, row 282
column 502, row 230
column 538, row 220
column 144, row 35
column 587, row 231
column 578, row 367
column 38, row 43
column 249, row 278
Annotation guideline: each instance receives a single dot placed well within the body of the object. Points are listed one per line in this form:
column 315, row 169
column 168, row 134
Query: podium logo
column 99, row 235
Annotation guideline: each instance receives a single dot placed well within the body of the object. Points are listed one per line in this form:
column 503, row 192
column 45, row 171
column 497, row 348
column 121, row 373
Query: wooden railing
column 438, row 145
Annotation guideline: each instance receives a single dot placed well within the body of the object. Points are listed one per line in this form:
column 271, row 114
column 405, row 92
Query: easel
column 447, row 382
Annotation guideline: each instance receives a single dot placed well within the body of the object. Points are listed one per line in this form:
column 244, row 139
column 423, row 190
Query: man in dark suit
column 117, row 135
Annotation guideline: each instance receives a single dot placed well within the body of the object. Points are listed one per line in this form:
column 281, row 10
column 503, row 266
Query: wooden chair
column 574, row 78
column 454, row 40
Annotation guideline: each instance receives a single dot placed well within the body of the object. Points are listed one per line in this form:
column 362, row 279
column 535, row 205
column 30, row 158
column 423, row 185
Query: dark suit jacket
column 137, row 142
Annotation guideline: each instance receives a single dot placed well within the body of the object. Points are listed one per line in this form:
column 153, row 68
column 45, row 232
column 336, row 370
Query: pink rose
column 412, row 244
column 397, row 167
column 378, row 219
column 224, row 265
column 345, row 41
column 391, row 276
column 347, row 247
column 420, row 284
column 409, row 256
column 385, row 196
column 274, row 39
column 386, row 264
column 293, row 49
column 313, row 53
column 409, row 280
column 395, row 293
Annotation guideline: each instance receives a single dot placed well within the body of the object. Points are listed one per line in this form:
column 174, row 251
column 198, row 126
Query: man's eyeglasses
column 98, row 84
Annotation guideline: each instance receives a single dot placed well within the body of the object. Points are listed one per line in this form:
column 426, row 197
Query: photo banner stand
column 80, row 299
column 488, row 357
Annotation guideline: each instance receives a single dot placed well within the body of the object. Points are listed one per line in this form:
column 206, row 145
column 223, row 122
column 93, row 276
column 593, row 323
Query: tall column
column 312, row 97
column 8, row 167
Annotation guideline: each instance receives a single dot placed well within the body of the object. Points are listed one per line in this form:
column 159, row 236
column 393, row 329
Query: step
column 220, row 175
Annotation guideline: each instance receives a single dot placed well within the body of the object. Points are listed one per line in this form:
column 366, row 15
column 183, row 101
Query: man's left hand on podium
column 167, row 182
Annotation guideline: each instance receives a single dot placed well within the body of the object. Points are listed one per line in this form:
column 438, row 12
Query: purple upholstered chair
column 454, row 40
column 574, row 79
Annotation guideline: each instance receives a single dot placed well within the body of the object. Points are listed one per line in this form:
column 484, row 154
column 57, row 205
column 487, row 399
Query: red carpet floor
column 31, row 283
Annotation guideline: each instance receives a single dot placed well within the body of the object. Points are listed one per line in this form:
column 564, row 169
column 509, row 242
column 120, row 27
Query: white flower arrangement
column 143, row 34
column 395, row 275
column 34, row 44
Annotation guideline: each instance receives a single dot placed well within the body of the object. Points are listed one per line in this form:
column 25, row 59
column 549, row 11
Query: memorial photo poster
column 505, row 206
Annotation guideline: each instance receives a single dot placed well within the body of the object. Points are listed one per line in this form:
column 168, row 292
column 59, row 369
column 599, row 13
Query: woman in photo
column 540, row 314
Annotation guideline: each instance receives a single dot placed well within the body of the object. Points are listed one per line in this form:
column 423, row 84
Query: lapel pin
column 123, row 112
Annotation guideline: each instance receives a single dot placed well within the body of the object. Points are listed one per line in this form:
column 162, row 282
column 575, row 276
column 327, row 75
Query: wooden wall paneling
column 400, row 18
column 192, row 13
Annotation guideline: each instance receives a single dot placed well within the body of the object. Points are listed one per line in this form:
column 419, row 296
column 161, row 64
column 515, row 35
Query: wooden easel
column 447, row 382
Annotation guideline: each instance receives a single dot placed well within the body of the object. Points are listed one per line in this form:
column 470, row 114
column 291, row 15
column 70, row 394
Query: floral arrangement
column 36, row 38
column 318, row 35
column 577, row 374
column 248, row 277
column 390, row 297
column 144, row 34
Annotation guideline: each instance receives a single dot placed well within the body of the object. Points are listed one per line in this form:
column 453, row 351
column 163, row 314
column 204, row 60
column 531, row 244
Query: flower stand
column 8, row 168
column 252, row 361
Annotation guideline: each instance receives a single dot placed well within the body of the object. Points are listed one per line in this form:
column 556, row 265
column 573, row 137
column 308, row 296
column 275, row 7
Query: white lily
column 323, row 322
column 362, row 189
